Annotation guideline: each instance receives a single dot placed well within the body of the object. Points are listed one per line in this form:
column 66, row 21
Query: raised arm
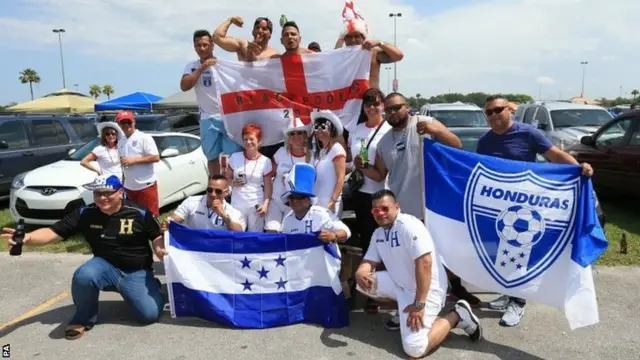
column 228, row 43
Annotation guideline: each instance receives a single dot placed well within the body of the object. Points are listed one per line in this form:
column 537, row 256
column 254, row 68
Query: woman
column 370, row 129
column 250, row 174
column 106, row 154
column 293, row 152
column 329, row 159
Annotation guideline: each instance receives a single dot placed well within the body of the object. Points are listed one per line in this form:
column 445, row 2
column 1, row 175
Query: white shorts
column 414, row 343
column 276, row 212
column 255, row 222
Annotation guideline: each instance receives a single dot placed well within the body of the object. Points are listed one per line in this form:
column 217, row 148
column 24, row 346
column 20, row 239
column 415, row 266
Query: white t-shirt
column 355, row 144
column 205, row 90
column 250, row 194
column 400, row 246
column 108, row 160
column 316, row 219
column 326, row 173
column 138, row 176
column 197, row 215
column 284, row 162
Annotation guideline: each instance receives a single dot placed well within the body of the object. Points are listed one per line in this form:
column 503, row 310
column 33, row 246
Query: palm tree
column 418, row 96
column 635, row 93
column 30, row 76
column 108, row 90
column 95, row 91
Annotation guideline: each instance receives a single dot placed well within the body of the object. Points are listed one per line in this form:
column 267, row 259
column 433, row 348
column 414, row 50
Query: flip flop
column 75, row 331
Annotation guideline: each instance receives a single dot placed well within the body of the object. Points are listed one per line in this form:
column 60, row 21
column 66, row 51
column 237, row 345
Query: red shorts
column 147, row 197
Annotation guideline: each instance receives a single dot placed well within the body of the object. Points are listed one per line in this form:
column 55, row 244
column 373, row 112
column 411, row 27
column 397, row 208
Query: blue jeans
column 139, row 288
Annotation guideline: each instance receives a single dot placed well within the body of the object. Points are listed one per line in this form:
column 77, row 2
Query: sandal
column 75, row 331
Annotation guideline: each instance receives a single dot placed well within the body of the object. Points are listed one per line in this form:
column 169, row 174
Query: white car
column 44, row 195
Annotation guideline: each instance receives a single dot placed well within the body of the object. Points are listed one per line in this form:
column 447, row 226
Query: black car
column 172, row 122
column 30, row 141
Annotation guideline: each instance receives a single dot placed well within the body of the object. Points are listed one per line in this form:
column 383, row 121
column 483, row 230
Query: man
column 414, row 278
column 118, row 233
column 138, row 153
column 197, row 75
column 210, row 211
column 314, row 46
column 304, row 216
column 512, row 140
column 258, row 49
column 290, row 38
column 355, row 34
column 397, row 154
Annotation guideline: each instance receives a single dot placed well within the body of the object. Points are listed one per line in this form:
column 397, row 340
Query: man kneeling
column 118, row 232
column 415, row 278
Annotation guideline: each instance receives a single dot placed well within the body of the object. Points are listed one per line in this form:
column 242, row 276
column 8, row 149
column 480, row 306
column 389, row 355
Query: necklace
column 254, row 166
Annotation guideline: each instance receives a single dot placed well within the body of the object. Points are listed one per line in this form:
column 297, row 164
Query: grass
column 623, row 217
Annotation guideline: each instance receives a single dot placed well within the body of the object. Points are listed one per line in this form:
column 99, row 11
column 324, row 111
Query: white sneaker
column 468, row 321
column 500, row 303
column 513, row 315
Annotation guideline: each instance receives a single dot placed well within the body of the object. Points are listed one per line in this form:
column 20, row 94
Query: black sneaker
column 394, row 323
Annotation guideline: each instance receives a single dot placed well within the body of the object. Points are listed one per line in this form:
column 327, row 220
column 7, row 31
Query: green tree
column 30, row 76
column 108, row 90
column 95, row 91
column 635, row 94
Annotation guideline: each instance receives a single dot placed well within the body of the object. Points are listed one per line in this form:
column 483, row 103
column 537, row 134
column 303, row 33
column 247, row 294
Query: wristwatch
column 419, row 304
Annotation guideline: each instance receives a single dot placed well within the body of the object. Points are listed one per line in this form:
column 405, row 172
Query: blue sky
column 527, row 46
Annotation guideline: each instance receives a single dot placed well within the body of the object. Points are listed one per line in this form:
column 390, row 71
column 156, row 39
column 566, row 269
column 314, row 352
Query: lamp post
column 60, row 32
column 584, row 67
column 388, row 69
column 395, row 17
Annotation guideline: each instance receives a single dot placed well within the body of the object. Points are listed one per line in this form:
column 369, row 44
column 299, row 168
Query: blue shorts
column 214, row 138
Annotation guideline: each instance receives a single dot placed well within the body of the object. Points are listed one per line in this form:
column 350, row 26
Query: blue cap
column 104, row 183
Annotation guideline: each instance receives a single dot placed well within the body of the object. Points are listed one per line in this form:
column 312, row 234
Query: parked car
column 563, row 123
column 183, row 122
column 44, row 195
column 456, row 115
column 614, row 153
column 31, row 141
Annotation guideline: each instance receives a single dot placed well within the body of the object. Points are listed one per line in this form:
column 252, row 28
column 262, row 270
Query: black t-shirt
column 122, row 238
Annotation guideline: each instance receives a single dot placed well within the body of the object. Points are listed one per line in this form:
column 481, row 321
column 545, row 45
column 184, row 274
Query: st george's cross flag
column 270, row 92
column 528, row 230
column 253, row 280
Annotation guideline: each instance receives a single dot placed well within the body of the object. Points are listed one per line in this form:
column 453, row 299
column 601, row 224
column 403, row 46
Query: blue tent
column 135, row 101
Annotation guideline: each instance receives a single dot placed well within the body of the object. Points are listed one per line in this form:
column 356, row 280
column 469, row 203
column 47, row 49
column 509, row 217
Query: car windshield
column 469, row 143
column 146, row 125
column 460, row 118
column 579, row 117
column 84, row 150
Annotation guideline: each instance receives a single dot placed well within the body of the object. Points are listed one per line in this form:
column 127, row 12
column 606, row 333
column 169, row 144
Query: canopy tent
column 134, row 101
column 61, row 101
column 180, row 100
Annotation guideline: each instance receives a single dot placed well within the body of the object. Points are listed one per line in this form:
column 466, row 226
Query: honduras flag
column 523, row 229
column 253, row 280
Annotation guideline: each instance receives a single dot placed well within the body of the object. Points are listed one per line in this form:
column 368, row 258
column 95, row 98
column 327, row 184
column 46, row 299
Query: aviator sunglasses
column 495, row 110
column 217, row 191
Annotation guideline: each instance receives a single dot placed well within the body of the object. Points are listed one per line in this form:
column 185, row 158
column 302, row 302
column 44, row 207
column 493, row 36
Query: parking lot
column 37, row 304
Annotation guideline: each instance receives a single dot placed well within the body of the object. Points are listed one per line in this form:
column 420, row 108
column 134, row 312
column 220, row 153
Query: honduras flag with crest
column 523, row 229
column 253, row 280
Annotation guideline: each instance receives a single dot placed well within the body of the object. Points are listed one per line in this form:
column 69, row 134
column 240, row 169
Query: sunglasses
column 393, row 108
column 100, row 194
column 217, row 191
column 322, row 126
column 495, row 110
column 296, row 197
column 373, row 103
column 379, row 210
column 297, row 132
column 126, row 122
column 110, row 133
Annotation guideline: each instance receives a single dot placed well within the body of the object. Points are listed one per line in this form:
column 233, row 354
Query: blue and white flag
column 253, row 280
column 523, row 229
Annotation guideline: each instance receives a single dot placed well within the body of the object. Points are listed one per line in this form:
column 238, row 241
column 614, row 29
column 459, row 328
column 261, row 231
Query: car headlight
column 565, row 143
column 18, row 181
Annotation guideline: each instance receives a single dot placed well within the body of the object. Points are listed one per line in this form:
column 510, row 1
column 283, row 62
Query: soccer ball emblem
column 520, row 226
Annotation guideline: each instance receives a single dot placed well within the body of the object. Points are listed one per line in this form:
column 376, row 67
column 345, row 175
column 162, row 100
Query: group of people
column 294, row 187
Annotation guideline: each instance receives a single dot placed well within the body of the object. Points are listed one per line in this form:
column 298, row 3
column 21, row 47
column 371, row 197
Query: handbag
column 356, row 178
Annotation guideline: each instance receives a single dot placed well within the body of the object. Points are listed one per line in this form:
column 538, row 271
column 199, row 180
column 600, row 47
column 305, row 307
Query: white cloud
column 488, row 45
column 544, row 80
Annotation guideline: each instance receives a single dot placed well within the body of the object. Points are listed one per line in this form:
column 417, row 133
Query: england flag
column 253, row 280
column 270, row 93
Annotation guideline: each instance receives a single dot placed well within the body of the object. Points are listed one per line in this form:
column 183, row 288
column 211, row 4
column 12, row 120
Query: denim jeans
column 139, row 288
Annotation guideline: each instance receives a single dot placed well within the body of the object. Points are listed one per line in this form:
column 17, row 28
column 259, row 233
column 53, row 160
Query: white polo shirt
column 205, row 90
column 197, row 215
column 316, row 219
column 400, row 246
column 138, row 176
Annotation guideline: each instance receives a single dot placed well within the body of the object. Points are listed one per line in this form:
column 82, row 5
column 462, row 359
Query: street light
column 395, row 17
column 584, row 67
column 60, row 32
column 388, row 68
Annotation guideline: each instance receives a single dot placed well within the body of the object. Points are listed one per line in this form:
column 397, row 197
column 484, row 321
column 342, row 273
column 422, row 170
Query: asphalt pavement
column 36, row 304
